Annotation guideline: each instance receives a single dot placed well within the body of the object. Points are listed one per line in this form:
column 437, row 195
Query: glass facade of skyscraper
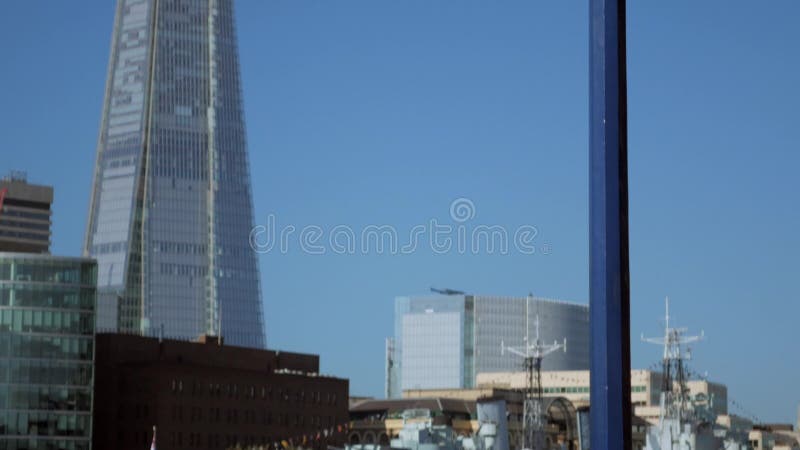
column 171, row 210
column 444, row 341
column 47, row 314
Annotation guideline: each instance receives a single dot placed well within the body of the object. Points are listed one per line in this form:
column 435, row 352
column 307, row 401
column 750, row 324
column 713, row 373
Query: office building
column 769, row 437
column 574, row 384
column 645, row 390
column 444, row 341
column 46, row 351
column 212, row 396
column 171, row 209
column 24, row 215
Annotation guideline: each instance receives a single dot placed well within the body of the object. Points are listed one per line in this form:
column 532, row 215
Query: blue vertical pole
column 610, row 414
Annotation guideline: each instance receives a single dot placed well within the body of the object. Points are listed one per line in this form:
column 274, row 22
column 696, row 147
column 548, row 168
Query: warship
column 686, row 422
column 422, row 432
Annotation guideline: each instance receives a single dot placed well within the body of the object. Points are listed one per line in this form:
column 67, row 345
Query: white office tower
column 444, row 341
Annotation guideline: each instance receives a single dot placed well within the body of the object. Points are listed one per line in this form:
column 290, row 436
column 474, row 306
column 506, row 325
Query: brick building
column 203, row 395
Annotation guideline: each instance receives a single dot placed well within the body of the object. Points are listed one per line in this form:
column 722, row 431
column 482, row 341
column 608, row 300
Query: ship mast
column 532, row 353
column 674, row 392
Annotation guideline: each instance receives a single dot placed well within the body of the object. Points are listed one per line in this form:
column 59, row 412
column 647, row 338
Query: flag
column 153, row 444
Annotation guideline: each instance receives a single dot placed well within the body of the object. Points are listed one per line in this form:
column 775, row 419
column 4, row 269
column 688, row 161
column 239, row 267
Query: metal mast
column 674, row 393
column 532, row 353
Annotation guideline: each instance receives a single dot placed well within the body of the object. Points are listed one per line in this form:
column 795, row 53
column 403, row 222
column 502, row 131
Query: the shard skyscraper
column 171, row 207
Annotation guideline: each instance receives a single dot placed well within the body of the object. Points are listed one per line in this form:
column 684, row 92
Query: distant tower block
column 25, row 211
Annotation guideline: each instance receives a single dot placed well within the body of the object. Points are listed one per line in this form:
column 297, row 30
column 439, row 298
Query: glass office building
column 171, row 209
column 47, row 314
column 444, row 341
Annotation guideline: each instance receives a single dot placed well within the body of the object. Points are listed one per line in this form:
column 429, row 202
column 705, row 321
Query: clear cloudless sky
column 385, row 111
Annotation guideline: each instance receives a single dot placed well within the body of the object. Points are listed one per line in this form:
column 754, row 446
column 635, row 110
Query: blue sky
column 383, row 112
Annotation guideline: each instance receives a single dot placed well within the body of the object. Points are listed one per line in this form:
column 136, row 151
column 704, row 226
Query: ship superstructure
column 423, row 430
column 685, row 422
column 532, row 353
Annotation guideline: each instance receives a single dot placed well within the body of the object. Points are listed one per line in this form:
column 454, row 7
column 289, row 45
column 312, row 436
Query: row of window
column 13, row 212
column 37, row 321
column 43, row 424
column 50, row 347
column 233, row 416
column 109, row 247
column 28, row 371
column 47, row 296
column 179, row 248
column 235, row 391
column 184, row 270
column 185, row 248
column 581, row 390
column 49, row 271
column 41, row 236
column 45, row 398
column 43, row 444
column 26, row 225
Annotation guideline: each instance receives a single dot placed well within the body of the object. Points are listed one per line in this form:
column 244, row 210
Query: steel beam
column 609, row 285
